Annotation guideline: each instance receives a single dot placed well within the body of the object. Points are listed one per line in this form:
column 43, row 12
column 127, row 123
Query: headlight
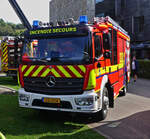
column 24, row 97
column 84, row 101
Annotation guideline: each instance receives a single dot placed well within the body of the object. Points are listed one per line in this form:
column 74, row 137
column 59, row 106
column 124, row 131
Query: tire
column 102, row 114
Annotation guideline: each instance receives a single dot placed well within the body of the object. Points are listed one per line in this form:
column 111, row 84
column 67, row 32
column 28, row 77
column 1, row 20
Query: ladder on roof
column 114, row 23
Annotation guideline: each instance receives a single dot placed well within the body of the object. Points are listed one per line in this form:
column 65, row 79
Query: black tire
column 102, row 114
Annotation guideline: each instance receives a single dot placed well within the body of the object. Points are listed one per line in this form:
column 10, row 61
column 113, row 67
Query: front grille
column 63, row 86
column 63, row 104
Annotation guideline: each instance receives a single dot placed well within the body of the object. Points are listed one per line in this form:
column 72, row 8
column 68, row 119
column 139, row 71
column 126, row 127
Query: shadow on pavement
column 136, row 126
column 141, row 87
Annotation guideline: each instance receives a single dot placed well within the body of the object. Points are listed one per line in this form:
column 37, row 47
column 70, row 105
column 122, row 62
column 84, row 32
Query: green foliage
column 8, row 82
column 10, row 29
column 144, row 68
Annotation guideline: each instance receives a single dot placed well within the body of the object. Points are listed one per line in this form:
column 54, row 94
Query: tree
column 10, row 29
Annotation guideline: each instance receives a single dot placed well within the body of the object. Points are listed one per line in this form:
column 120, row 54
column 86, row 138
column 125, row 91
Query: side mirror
column 107, row 55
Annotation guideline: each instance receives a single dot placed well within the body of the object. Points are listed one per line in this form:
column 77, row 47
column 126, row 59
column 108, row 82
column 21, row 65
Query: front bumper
column 67, row 102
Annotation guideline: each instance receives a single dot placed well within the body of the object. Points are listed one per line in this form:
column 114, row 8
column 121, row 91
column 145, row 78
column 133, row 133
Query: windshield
column 58, row 49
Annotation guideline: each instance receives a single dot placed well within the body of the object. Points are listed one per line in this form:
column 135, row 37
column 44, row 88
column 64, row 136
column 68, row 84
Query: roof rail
column 114, row 23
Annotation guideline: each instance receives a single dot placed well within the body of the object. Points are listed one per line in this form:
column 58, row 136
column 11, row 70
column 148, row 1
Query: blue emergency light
column 35, row 23
column 84, row 19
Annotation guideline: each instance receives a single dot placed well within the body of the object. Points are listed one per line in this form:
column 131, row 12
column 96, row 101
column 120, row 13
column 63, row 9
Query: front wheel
column 102, row 114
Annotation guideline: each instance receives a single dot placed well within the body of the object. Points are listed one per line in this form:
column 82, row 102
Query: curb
column 11, row 89
column 2, row 136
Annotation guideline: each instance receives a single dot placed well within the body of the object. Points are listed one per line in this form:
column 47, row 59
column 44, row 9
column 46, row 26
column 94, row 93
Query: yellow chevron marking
column 64, row 71
column 4, row 49
column 23, row 67
column 82, row 68
column 5, row 53
column 29, row 71
column 2, row 64
column 55, row 73
column 4, row 59
column 3, row 45
column 75, row 71
column 45, row 72
column 37, row 71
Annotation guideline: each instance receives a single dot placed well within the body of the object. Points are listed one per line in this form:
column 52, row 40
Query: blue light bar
column 35, row 23
column 84, row 19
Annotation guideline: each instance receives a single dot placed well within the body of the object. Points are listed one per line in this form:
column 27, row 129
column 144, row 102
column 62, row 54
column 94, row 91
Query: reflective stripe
column 5, row 53
column 4, row 49
column 4, row 58
column 55, row 73
column 37, row 71
column 76, row 73
column 58, row 71
column 114, row 68
column 82, row 68
column 23, row 67
column 29, row 70
column 45, row 72
column 64, row 71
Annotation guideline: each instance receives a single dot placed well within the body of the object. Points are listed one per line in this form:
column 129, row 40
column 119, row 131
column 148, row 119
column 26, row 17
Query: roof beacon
column 36, row 24
column 83, row 19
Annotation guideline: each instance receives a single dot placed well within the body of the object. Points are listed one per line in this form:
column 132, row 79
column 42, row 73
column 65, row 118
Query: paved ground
column 130, row 119
column 2, row 74
column 5, row 90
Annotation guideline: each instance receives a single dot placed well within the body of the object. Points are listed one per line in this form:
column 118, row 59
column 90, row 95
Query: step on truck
column 75, row 66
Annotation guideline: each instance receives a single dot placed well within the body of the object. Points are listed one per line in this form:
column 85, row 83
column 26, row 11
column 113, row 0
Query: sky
column 33, row 10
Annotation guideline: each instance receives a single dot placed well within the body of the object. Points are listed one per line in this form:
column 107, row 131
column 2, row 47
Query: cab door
column 110, row 55
column 98, row 59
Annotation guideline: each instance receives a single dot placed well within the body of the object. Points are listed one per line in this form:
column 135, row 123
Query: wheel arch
column 106, row 82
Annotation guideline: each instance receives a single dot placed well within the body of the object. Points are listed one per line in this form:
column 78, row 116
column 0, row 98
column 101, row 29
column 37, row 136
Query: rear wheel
column 102, row 114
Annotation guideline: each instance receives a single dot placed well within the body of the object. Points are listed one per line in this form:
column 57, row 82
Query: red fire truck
column 11, row 55
column 75, row 66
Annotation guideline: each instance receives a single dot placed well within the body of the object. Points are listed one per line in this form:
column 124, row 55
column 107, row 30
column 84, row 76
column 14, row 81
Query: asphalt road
column 130, row 118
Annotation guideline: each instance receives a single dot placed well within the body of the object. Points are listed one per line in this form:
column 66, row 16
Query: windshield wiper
column 39, row 59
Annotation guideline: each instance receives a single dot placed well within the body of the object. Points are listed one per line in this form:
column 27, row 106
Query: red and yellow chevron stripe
column 4, row 59
column 67, row 71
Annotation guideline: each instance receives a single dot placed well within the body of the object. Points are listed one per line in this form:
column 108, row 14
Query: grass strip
column 9, row 82
column 22, row 123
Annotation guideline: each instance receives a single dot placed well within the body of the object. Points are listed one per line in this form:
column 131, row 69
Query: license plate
column 51, row 100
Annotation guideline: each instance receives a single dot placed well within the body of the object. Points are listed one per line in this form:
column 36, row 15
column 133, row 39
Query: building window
column 138, row 24
column 123, row 4
column 100, row 15
column 97, row 1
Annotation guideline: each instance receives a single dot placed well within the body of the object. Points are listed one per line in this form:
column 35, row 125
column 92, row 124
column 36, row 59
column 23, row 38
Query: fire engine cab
column 74, row 66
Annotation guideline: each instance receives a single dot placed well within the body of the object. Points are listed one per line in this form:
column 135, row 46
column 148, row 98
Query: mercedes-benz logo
column 51, row 81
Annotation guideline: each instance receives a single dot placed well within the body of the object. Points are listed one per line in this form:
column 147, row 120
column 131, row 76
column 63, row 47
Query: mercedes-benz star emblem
column 51, row 81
